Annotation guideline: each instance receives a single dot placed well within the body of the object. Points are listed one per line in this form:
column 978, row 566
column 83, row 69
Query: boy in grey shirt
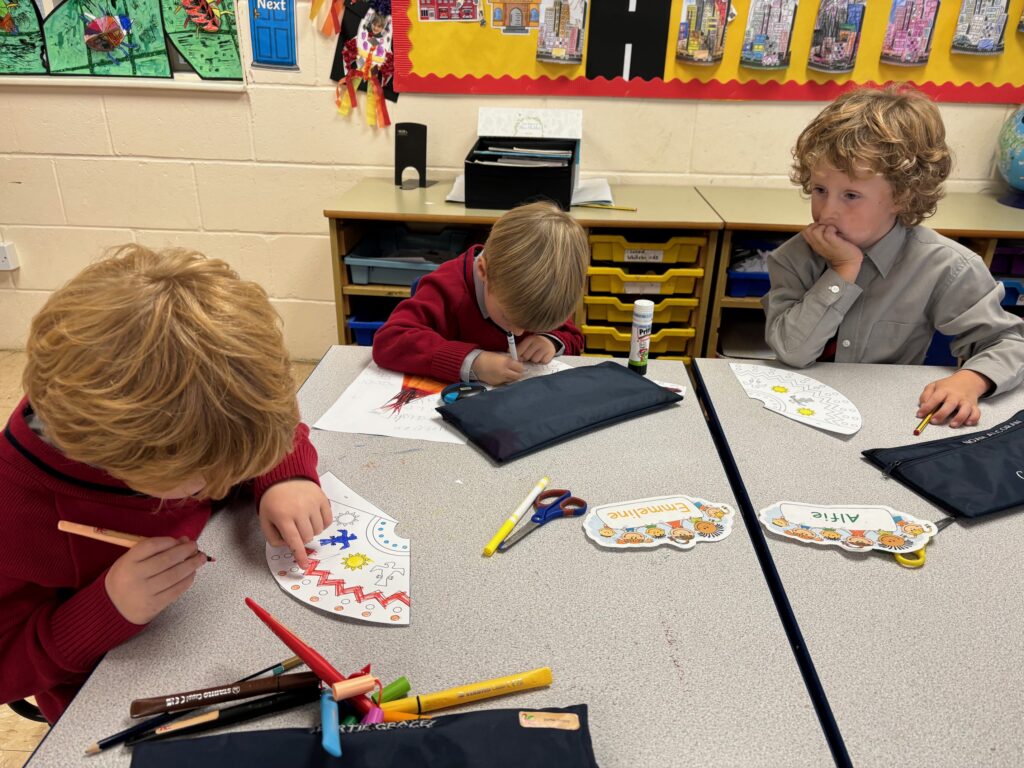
column 865, row 283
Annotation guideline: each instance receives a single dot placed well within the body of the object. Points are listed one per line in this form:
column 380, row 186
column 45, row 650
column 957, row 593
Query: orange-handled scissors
column 916, row 559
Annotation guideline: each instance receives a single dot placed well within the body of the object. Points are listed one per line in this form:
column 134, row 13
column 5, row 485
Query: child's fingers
column 175, row 574
column 147, row 548
column 945, row 410
column 326, row 513
column 304, row 526
column 271, row 534
column 175, row 590
column 168, row 558
column 966, row 410
column 295, row 543
column 930, row 399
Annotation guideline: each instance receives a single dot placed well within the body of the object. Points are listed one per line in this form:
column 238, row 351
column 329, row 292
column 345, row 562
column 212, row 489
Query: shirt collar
column 883, row 253
column 478, row 284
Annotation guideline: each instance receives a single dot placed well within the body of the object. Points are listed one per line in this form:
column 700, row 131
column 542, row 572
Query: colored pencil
column 127, row 540
column 239, row 713
column 608, row 206
column 924, row 423
column 176, row 702
column 154, row 722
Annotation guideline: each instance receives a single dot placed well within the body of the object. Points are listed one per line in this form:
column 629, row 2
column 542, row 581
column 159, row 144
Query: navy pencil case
column 510, row 422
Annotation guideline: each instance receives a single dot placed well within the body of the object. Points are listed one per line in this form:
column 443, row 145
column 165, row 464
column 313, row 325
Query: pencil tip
column 917, row 432
column 210, row 559
column 93, row 749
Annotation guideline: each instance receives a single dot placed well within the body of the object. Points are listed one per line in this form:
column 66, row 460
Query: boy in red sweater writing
column 155, row 382
column 525, row 282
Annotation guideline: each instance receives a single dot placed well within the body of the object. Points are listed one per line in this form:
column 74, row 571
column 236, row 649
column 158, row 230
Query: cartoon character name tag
column 853, row 528
column 798, row 397
column 680, row 521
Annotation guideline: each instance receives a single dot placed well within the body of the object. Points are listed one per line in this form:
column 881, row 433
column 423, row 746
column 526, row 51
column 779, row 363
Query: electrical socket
column 8, row 257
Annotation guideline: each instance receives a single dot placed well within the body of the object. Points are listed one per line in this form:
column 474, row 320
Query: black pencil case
column 496, row 738
column 514, row 421
column 966, row 475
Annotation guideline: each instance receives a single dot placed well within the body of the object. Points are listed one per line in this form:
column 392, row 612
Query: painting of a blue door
column 273, row 32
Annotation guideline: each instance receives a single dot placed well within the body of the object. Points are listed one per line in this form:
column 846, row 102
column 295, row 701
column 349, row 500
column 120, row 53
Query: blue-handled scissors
column 552, row 503
column 916, row 559
column 461, row 389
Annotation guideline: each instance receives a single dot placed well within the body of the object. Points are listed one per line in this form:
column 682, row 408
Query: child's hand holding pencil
column 151, row 575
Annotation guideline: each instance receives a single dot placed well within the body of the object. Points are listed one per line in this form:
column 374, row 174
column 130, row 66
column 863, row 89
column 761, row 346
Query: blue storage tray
column 387, row 271
column 1014, row 292
column 742, row 284
column 364, row 330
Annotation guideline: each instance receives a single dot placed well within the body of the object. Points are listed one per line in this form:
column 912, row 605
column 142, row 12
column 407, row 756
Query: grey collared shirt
column 912, row 283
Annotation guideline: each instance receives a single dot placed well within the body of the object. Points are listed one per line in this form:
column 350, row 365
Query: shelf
column 401, row 291
column 750, row 302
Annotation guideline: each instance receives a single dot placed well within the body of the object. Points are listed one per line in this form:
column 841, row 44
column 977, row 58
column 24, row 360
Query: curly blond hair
column 161, row 366
column 895, row 132
column 537, row 258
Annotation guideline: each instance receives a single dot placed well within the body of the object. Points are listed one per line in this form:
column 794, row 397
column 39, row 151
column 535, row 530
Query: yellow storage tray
column 678, row 250
column 613, row 310
column 601, row 337
column 616, row 280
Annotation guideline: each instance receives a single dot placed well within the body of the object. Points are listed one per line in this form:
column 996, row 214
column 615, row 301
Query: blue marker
column 331, row 741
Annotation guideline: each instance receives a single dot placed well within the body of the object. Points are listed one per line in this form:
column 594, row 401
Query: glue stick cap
column 643, row 309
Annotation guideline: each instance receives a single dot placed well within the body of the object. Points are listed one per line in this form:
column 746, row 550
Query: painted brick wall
column 246, row 176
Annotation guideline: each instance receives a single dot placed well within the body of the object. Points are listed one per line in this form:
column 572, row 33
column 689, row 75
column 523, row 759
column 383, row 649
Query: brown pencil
column 127, row 540
column 176, row 702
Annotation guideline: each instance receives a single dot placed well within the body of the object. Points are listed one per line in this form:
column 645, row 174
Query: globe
column 1010, row 158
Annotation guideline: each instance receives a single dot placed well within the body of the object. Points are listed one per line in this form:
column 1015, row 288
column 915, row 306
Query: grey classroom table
column 919, row 666
column 680, row 655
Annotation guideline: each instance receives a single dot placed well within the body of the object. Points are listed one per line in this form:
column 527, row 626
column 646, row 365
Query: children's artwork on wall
column 87, row 37
column 680, row 49
column 1020, row 24
column 205, row 33
column 678, row 521
column 451, row 10
column 22, row 49
column 853, row 528
column 908, row 37
column 766, row 41
column 358, row 566
column 332, row 22
column 272, row 28
column 798, row 397
column 364, row 60
column 702, row 31
column 515, row 18
column 836, row 35
column 560, row 39
column 628, row 40
column 980, row 27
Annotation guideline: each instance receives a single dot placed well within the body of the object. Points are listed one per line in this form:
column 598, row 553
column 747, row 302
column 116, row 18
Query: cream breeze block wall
column 246, row 176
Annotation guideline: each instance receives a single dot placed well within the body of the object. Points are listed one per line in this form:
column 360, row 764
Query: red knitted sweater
column 56, row 619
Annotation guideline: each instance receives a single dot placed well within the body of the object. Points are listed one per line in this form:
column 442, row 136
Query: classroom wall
column 246, row 176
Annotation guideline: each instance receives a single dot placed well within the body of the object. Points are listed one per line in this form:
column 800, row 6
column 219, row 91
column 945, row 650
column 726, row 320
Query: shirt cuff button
column 834, row 288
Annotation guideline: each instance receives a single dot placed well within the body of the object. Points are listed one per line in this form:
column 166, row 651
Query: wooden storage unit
column 690, row 225
column 977, row 220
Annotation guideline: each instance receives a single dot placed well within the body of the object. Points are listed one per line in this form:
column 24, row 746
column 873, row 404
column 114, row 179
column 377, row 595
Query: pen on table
column 239, row 713
column 463, row 694
column 512, row 345
column 924, row 422
column 154, row 722
column 509, row 524
column 127, row 540
column 314, row 660
column 608, row 206
column 176, row 702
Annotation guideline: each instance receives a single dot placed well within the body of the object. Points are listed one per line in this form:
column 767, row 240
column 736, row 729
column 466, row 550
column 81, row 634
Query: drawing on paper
column 980, row 27
column 908, row 37
column 766, row 41
column 799, row 397
column 678, row 521
column 358, row 567
column 451, row 10
column 836, row 35
column 90, row 38
column 853, row 528
column 413, row 388
column 561, row 38
column 205, row 33
column 702, row 31
column 22, row 49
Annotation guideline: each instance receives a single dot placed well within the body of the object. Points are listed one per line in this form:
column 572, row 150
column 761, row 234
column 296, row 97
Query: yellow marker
column 463, row 694
column 509, row 524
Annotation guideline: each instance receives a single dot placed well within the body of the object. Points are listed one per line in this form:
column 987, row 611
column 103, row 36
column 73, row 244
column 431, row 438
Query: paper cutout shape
column 515, row 18
column 272, row 29
column 382, row 402
column 90, row 38
column 836, row 35
column 799, row 397
column 22, row 49
column 702, row 31
column 358, row 566
column 560, row 39
column 678, row 521
column 450, row 10
column 766, row 41
column 908, row 38
column 980, row 27
column 854, row 528
column 205, row 33
column 628, row 40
